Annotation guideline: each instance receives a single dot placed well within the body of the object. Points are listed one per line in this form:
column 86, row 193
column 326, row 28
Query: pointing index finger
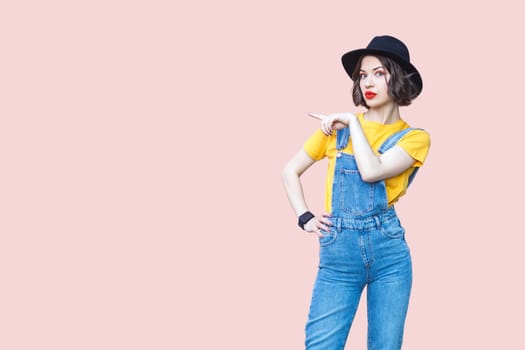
column 316, row 116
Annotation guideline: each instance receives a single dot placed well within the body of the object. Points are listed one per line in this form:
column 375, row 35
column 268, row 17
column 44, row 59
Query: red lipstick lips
column 369, row 94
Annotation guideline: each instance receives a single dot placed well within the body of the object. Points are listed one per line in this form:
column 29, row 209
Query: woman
column 372, row 158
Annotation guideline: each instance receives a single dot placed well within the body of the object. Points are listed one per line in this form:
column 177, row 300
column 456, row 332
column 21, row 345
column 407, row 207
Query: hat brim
column 351, row 58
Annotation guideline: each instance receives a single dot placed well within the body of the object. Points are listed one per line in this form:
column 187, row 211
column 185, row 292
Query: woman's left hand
column 331, row 122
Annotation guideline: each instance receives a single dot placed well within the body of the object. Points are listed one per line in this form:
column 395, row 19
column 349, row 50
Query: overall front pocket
column 328, row 238
column 392, row 229
column 356, row 197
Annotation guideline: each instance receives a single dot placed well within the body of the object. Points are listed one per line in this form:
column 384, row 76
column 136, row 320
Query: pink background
column 141, row 149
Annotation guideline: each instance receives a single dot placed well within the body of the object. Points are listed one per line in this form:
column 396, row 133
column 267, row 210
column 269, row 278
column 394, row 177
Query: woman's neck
column 384, row 115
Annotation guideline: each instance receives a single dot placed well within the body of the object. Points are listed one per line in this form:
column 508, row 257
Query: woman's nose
column 368, row 81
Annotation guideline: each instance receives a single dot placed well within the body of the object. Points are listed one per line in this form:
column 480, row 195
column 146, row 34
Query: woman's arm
column 371, row 167
column 292, row 184
column 294, row 189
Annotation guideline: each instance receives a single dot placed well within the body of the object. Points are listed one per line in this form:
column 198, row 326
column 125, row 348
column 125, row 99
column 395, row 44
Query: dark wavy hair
column 400, row 87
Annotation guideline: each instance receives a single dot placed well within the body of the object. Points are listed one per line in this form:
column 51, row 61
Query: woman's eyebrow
column 378, row 67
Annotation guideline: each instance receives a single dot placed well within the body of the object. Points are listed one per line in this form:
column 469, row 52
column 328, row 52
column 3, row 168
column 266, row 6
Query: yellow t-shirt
column 416, row 143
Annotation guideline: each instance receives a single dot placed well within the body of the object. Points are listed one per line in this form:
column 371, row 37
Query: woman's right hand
column 318, row 224
column 332, row 122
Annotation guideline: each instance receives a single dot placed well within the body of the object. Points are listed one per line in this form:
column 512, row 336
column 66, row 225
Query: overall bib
column 365, row 246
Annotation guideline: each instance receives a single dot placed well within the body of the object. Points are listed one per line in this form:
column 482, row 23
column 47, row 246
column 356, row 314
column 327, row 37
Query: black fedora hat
column 387, row 46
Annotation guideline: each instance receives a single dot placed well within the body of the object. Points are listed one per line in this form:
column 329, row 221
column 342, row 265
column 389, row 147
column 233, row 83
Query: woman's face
column 373, row 81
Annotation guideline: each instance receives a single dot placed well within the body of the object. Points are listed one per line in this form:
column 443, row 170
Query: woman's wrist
column 304, row 218
column 350, row 117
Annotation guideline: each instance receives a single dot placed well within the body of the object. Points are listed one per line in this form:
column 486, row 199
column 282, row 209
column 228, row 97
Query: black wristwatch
column 304, row 218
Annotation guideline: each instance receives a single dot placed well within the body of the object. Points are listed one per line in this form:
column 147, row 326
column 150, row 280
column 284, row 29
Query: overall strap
column 342, row 138
column 392, row 141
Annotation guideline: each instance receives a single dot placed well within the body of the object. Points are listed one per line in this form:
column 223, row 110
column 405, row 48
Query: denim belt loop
column 378, row 223
column 338, row 224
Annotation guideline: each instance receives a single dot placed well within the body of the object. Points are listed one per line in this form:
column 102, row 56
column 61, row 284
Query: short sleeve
column 316, row 145
column 417, row 144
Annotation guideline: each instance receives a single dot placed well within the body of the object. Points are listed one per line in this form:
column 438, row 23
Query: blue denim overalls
column 365, row 246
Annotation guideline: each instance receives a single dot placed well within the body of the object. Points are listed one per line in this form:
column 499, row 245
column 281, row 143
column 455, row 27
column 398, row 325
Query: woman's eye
column 362, row 76
column 379, row 73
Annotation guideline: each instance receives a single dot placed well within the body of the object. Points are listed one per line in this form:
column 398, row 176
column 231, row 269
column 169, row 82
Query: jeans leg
column 387, row 303
column 332, row 310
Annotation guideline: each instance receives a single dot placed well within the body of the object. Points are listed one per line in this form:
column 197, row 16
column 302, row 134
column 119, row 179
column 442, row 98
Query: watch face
column 304, row 218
